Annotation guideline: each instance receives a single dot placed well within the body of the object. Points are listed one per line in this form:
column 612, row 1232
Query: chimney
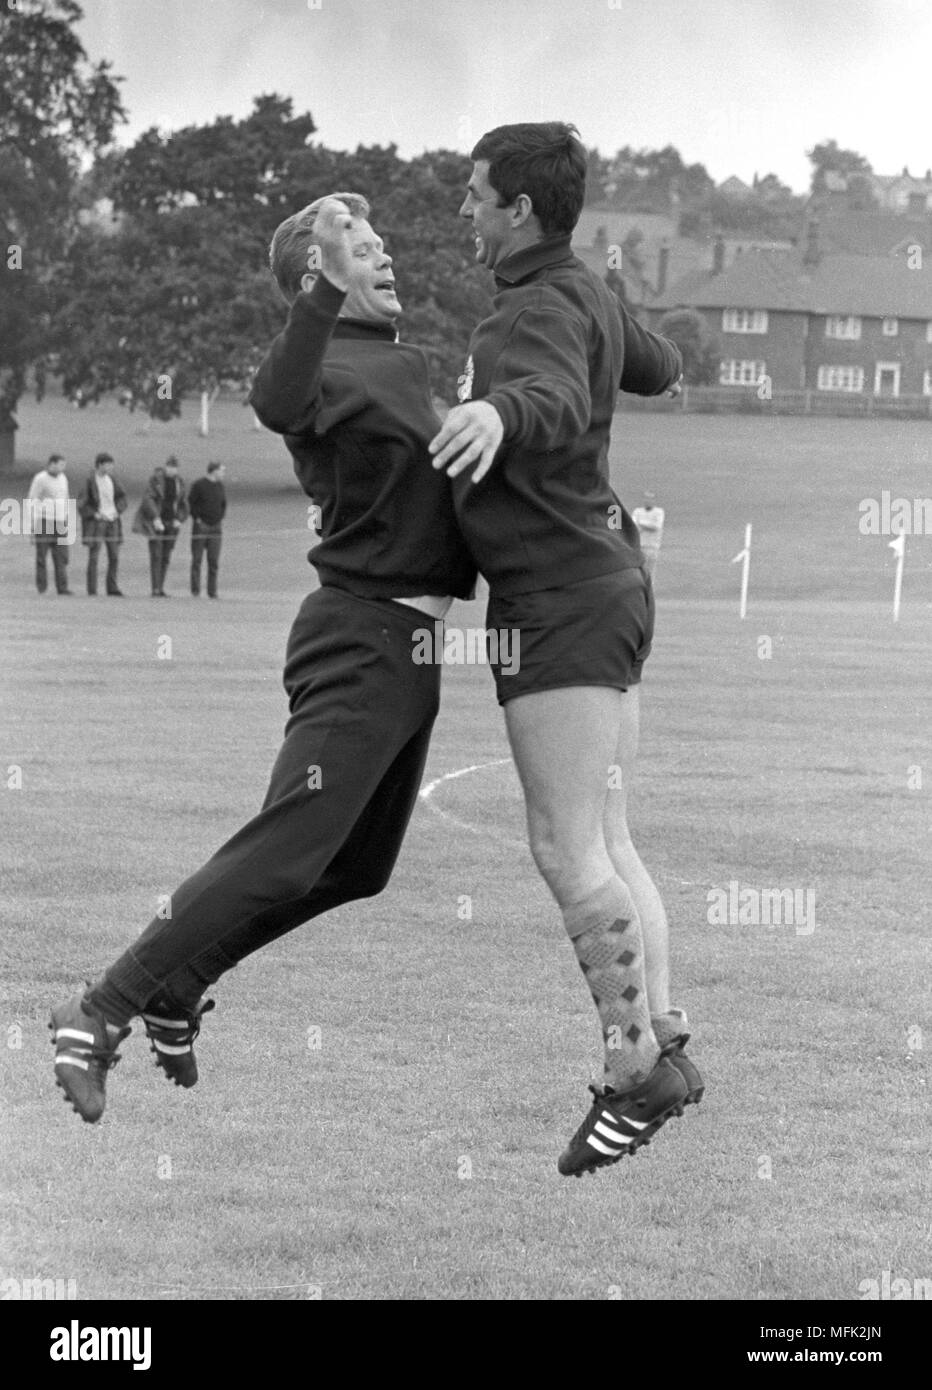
column 663, row 267
column 718, row 255
column 812, row 254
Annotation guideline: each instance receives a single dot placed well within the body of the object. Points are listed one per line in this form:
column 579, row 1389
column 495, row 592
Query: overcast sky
column 738, row 85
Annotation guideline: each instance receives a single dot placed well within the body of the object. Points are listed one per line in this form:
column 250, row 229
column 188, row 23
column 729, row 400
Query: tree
column 699, row 346
column 764, row 216
column 443, row 290
column 771, row 189
column 181, row 300
column 632, row 270
column 654, row 180
column 632, row 258
column 862, row 196
column 596, row 176
column 55, row 110
column 828, row 156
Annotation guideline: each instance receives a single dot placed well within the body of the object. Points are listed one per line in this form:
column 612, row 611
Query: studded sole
column 68, row 1101
column 631, row 1150
column 164, row 1070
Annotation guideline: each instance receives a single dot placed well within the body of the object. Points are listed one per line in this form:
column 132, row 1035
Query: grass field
column 803, row 1173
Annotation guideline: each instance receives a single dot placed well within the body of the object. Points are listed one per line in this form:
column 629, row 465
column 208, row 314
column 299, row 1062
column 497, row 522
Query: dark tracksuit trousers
column 160, row 552
column 46, row 545
column 340, row 797
column 207, row 539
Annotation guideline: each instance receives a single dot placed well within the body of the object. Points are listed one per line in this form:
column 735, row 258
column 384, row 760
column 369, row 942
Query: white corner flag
column 744, row 555
column 899, row 549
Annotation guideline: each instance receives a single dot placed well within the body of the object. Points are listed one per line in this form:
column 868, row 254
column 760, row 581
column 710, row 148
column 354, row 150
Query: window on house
column 741, row 372
column 843, row 326
column 744, row 320
column 890, row 328
column 841, row 379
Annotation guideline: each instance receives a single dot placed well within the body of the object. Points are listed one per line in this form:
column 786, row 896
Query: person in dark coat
column 101, row 504
column 159, row 516
column 207, row 504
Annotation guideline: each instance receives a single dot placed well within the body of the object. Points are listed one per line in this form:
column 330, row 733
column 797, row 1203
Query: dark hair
column 171, row 462
column 544, row 160
column 212, row 467
column 102, row 458
column 56, row 458
column 288, row 253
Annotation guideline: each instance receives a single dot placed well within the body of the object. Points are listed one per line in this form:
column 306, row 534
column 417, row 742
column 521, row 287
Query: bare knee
column 571, row 866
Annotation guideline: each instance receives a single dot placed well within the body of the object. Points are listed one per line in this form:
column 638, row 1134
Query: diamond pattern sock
column 606, row 935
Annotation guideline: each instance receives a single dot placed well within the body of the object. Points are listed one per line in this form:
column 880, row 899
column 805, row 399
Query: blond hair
column 288, row 253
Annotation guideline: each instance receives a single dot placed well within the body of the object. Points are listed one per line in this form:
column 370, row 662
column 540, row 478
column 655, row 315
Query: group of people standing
column 160, row 515
column 162, row 512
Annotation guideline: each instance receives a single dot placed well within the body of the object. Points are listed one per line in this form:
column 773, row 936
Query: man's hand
column 471, row 434
column 677, row 387
column 159, row 524
column 331, row 231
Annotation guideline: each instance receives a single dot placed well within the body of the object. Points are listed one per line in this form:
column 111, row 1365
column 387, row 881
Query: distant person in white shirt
column 48, row 523
column 101, row 502
column 649, row 519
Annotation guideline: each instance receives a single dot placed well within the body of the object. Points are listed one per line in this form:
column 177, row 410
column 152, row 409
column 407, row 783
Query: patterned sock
column 673, row 1024
column 606, row 934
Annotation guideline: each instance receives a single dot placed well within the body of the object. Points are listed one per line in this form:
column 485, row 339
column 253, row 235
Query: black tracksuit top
column 355, row 410
column 551, row 358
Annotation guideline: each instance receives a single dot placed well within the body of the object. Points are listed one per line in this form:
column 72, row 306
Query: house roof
column 909, row 181
column 871, row 233
column 871, row 286
column 683, row 255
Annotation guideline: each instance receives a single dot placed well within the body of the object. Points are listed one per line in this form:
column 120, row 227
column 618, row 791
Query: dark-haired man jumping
column 566, row 572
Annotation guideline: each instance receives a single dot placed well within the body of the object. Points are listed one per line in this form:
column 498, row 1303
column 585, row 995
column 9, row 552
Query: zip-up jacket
column 551, row 359
column 354, row 407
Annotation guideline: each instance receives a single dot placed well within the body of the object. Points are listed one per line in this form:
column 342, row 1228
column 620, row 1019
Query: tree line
column 169, row 294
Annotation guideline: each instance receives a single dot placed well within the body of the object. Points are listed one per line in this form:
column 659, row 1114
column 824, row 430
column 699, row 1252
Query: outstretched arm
column 652, row 364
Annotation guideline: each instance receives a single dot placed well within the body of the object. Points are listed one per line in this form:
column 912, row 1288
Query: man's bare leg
column 627, row 861
column 563, row 742
column 669, row 1024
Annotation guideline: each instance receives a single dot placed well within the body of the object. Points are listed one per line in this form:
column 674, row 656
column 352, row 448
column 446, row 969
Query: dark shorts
column 594, row 632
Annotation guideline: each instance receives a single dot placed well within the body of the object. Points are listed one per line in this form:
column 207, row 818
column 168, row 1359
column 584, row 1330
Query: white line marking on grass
column 427, row 792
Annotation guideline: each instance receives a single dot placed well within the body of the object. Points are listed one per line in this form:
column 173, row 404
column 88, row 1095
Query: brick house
column 896, row 193
column 860, row 324
column 904, row 192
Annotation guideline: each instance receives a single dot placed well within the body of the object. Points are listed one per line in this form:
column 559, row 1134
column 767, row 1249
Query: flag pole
column 899, row 549
column 744, row 555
